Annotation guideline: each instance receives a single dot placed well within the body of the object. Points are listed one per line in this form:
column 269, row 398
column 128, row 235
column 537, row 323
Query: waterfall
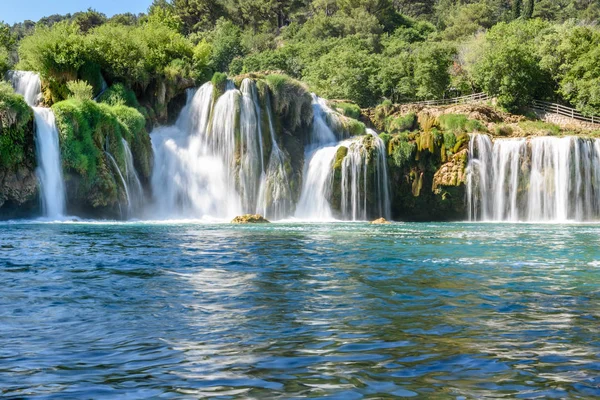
column 135, row 190
column 193, row 160
column 275, row 194
column 123, row 182
column 49, row 169
column 251, row 168
column 540, row 179
column 319, row 155
column 355, row 179
column 360, row 175
column 316, row 186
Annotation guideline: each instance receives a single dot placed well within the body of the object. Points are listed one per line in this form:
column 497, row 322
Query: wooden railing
column 471, row 98
column 538, row 105
column 569, row 112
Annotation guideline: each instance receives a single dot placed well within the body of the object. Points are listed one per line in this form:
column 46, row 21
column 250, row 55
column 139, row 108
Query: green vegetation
column 362, row 51
column 348, row 109
column 80, row 90
column 15, row 127
column 87, row 131
column 459, row 123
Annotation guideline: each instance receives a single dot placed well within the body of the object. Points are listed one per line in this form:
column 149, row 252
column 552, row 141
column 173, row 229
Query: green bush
column 403, row 123
column 80, row 90
column 348, row 109
column 15, row 118
column 453, row 122
column 88, row 129
column 401, row 150
column 449, row 140
column 119, row 94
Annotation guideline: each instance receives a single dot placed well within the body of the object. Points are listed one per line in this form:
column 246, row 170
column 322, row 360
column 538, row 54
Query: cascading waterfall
column 355, row 179
column 251, row 168
column 135, row 189
column 192, row 175
column 116, row 168
column 541, row 179
column 319, row 155
column 218, row 161
column 357, row 169
column 275, row 195
column 49, row 169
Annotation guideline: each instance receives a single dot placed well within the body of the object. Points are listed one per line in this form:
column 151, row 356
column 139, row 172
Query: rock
column 452, row 173
column 380, row 221
column 250, row 219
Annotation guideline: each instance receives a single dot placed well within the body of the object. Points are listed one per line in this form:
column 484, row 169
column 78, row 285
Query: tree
column 508, row 66
column 517, row 5
column 198, row 15
column 528, row 11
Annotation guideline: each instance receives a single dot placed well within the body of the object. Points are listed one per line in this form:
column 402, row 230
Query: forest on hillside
column 362, row 51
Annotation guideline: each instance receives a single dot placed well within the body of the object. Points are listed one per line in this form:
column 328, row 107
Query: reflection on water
column 299, row 310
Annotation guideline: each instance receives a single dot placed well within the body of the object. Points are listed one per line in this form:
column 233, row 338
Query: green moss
column 403, row 123
column 219, row 82
column 401, row 150
column 88, row 129
column 427, row 121
column 341, row 153
column 348, row 109
column 15, row 126
column 291, row 101
column 119, row 94
column 458, row 123
column 537, row 127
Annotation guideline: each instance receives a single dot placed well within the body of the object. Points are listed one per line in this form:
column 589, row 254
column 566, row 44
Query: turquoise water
column 297, row 310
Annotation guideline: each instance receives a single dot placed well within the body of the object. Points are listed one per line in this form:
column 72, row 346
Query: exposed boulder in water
column 250, row 219
column 380, row 221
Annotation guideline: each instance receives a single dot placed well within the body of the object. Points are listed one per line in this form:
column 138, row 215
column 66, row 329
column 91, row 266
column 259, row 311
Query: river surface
column 346, row 311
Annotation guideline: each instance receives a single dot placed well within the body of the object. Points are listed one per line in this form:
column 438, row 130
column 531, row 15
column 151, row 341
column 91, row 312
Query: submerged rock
column 380, row 221
column 250, row 219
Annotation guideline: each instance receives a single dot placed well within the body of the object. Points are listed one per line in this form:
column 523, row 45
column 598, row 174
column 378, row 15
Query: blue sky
column 12, row 11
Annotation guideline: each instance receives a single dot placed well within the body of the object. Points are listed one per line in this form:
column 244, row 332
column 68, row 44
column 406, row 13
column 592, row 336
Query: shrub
column 119, row 94
column 348, row 109
column 80, row 90
column 453, row 122
column 15, row 117
column 403, row 123
column 503, row 130
column 401, row 150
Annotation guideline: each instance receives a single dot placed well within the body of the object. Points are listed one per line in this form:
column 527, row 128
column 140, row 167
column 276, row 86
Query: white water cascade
column 212, row 163
column 134, row 186
column 355, row 180
column 319, row 156
column 192, row 175
column 540, row 179
column 49, row 169
column 356, row 183
column 275, row 194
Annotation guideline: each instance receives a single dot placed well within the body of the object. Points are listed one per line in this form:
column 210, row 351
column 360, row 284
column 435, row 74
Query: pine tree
column 528, row 11
column 516, row 8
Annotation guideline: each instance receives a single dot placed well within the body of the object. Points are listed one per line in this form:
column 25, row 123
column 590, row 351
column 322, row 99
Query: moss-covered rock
column 18, row 183
column 250, row 219
column 91, row 133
